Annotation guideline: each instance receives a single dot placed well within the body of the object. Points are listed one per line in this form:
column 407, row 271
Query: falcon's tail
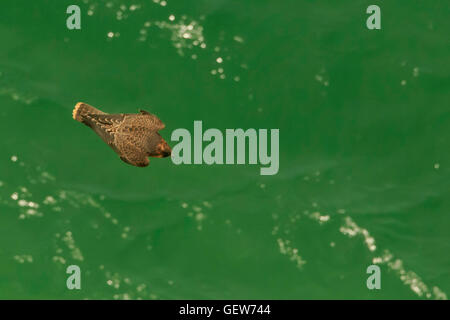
column 82, row 109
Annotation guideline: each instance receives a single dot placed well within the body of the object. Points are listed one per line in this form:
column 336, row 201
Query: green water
column 364, row 139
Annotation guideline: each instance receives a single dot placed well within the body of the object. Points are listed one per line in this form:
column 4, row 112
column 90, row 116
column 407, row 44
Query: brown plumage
column 134, row 137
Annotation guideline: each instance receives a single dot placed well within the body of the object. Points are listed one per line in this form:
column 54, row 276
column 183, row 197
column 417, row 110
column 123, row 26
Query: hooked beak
column 162, row 150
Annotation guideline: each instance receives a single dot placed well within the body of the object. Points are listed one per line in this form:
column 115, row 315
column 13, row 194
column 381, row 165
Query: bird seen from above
column 134, row 137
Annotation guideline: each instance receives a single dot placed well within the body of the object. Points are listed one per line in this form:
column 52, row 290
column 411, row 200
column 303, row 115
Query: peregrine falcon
column 134, row 137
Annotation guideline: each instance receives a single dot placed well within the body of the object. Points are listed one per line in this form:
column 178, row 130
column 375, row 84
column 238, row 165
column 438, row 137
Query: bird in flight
column 134, row 137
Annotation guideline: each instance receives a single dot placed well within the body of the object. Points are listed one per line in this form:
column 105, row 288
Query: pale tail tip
column 75, row 110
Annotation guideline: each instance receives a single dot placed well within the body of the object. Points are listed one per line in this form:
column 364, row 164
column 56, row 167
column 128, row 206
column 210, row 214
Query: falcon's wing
column 127, row 146
column 105, row 125
column 153, row 121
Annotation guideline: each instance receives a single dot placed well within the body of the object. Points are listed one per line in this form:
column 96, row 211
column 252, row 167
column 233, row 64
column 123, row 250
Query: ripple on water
column 197, row 212
column 348, row 227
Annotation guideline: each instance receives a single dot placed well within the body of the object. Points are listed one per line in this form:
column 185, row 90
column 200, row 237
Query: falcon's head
column 159, row 147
